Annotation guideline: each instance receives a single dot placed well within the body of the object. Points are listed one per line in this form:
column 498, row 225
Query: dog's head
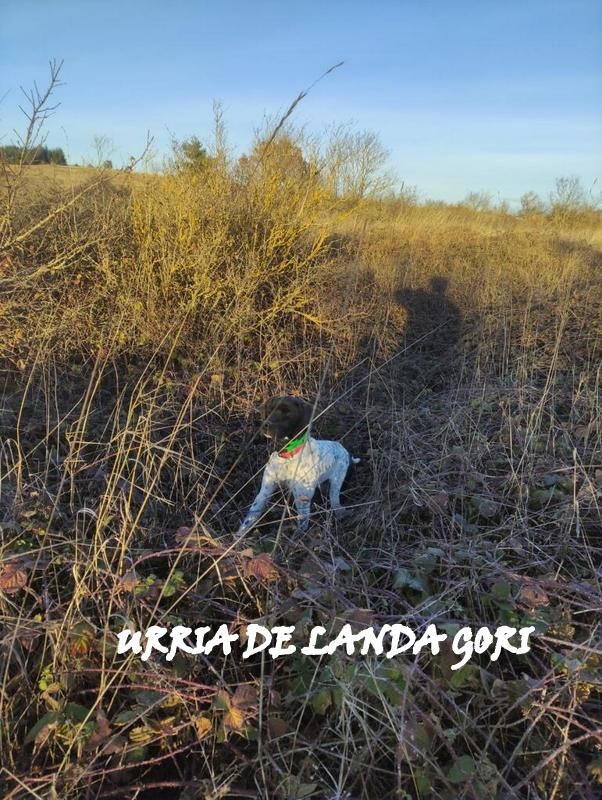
column 285, row 418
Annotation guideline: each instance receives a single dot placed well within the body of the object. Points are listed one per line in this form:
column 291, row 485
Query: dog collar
column 294, row 446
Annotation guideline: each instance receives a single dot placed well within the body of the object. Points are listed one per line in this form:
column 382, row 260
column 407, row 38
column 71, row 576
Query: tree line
column 13, row 154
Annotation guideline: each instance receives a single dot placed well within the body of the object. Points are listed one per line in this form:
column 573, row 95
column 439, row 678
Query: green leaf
column 484, row 506
column 222, row 701
column 500, row 591
column 337, row 696
column 76, row 713
column 148, row 697
column 293, row 789
column 321, row 701
column 404, row 577
column 463, row 677
column 304, row 676
column 379, row 686
column 463, row 769
column 135, row 755
column 451, row 628
column 423, row 782
column 173, row 584
column 467, row 527
column 124, row 717
column 48, row 719
column 539, row 498
column 426, row 562
column 392, row 672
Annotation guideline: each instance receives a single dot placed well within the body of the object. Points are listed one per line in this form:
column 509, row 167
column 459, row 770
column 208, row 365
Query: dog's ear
column 305, row 411
column 269, row 406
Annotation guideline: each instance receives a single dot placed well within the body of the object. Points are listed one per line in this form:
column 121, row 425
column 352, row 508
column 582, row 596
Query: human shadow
column 433, row 328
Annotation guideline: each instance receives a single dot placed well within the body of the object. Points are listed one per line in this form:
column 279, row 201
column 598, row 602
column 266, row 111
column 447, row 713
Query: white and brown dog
column 301, row 463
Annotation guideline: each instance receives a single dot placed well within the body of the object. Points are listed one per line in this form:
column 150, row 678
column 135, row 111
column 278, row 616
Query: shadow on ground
column 433, row 328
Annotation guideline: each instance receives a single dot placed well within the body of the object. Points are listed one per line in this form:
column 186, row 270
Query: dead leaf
column 438, row 502
column 128, row 582
column 27, row 636
column 13, row 578
column 293, row 789
column 234, row 719
column 102, row 732
column 172, row 700
column 533, row 596
column 203, row 726
column 47, row 695
column 277, row 727
column 44, row 734
column 200, row 539
column 261, row 567
column 239, row 707
column 141, row 734
column 245, row 696
column 116, row 745
column 182, row 534
column 311, row 567
column 359, row 618
column 166, row 726
column 80, row 639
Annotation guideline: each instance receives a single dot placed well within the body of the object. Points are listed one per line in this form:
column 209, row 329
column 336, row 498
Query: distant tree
column 568, row 196
column 10, row 153
column 57, row 156
column 41, row 155
column 190, row 154
column 281, row 157
column 478, row 201
column 103, row 148
column 354, row 164
column 531, row 203
column 107, row 164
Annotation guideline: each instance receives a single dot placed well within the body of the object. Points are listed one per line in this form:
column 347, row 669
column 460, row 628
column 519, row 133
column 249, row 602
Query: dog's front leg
column 268, row 485
column 302, row 497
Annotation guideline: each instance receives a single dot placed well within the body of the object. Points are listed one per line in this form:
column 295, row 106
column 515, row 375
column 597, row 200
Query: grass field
column 143, row 321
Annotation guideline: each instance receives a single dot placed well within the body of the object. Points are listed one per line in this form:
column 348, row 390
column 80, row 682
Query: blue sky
column 495, row 96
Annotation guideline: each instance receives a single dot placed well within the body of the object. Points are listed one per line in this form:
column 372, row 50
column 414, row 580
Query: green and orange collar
column 294, row 447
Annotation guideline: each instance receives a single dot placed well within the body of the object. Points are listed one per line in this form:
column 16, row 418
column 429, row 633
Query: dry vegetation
column 457, row 352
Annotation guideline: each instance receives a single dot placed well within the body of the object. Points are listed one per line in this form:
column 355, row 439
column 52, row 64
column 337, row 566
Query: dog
column 301, row 463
